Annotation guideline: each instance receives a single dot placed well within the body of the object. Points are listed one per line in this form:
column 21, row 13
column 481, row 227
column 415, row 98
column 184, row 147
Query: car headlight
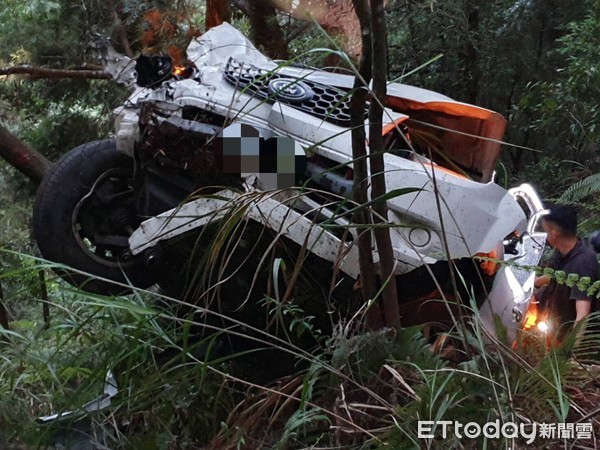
column 543, row 326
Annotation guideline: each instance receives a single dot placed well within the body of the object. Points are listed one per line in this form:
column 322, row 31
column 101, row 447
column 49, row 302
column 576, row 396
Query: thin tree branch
column 3, row 311
column 361, row 173
column 391, row 310
column 120, row 30
column 42, row 72
column 44, row 298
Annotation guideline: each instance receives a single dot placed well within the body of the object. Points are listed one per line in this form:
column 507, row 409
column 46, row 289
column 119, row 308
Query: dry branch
column 42, row 72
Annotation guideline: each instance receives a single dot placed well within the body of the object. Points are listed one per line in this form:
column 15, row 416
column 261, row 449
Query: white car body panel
column 475, row 216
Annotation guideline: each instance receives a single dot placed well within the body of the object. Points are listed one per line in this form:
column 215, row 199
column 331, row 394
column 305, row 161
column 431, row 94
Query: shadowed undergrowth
column 179, row 387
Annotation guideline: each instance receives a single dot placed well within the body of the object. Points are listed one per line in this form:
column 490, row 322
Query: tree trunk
column 266, row 33
column 337, row 17
column 361, row 173
column 27, row 161
column 372, row 22
column 391, row 311
column 217, row 12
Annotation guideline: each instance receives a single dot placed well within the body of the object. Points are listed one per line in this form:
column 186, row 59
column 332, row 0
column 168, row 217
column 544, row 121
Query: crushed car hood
column 471, row 134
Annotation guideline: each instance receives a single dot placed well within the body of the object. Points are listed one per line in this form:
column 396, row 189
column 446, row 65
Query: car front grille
column 331, row 104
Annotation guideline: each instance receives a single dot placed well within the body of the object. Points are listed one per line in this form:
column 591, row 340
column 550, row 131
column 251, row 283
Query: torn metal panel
column 262, row 209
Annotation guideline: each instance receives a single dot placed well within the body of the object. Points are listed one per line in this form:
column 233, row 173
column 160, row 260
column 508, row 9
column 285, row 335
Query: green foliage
column 550, row 175
column 61, row 366
column 530, row 62
column 584, row 284
column 563, row 116
column 582, row 189
column 15, row 216
column 373, row 387
column 363, row 355
column 370, row 388
column 56, row 115
column 52, row 115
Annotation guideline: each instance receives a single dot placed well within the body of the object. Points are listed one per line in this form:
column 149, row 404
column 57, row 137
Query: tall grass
column 179, row 387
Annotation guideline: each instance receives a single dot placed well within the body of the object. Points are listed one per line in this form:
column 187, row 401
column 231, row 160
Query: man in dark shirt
column 565, row 305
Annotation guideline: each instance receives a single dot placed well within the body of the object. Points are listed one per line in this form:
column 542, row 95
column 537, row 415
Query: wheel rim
column 103, row 219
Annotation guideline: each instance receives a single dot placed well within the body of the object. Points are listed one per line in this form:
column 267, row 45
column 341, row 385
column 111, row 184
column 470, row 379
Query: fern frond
column 582, row 189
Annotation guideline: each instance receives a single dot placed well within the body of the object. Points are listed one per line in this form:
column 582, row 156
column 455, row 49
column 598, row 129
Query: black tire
column 83, row 195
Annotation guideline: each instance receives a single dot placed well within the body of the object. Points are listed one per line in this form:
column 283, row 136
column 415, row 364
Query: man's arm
column 585, row 265
column 582, row 308
column 541, row 281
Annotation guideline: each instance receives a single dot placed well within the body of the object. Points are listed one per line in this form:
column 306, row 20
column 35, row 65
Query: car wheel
column 83, row 215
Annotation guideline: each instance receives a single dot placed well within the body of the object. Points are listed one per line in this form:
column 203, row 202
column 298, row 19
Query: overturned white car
column 237, row 131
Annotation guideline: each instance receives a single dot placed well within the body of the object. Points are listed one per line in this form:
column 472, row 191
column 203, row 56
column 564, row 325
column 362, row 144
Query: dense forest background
column 537, row 62
column 532, row 61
